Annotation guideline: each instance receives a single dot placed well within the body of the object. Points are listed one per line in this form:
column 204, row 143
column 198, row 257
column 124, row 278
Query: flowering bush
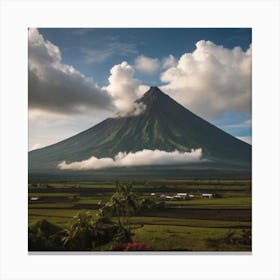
column 135, row 246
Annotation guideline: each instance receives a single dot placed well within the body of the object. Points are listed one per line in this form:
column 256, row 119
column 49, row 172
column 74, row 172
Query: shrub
column 246, row 237
column 148, row 204
column 45, row 236
column 86, row 233
column 123, row 235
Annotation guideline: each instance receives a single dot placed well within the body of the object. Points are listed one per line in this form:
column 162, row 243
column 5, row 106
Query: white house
column 207, row 195
column 181, row 196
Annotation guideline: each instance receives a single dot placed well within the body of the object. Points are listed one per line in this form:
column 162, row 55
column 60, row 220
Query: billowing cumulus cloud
column 140, row 158
column 146, row 64
column 125, row 89
column 57, row 87
column 168, row 61
column 211, row 80
column 150, row 65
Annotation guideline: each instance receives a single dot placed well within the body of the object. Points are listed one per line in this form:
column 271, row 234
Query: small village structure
column 182, row 196
column 35, row 198
column 169, row 197
column 207, row 195
column 177, row 196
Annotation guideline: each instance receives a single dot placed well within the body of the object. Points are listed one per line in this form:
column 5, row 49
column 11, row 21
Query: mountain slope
column 164, row 125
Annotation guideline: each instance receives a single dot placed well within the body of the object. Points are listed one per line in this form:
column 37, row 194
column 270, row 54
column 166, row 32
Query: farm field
column 193, row 224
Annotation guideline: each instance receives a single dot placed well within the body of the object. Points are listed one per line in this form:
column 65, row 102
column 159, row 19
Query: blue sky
column 94, row 52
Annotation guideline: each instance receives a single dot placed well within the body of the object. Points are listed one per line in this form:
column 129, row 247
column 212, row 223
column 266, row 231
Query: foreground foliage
column 88, row 231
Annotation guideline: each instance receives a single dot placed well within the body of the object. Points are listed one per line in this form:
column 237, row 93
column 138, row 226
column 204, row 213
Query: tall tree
column 80, row 234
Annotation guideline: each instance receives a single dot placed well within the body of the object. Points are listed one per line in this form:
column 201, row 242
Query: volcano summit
column 164, row 125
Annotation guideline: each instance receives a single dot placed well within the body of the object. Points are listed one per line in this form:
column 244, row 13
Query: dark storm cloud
column 57, row 87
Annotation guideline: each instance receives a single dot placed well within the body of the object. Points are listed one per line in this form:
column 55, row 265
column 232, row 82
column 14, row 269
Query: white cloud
column 125, row 89
column 211, row 80
column 168, row 62
column 57, row 87
column 140, row 158
column 147, row 64
column 150, row 65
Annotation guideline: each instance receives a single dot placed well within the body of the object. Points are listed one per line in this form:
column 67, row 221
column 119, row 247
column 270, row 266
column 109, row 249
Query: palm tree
column 80, row 234
column 130, row 201
column 122, row 204
column 114, row 206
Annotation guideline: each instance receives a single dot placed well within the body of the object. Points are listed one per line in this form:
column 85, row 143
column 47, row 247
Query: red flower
column 137, row 247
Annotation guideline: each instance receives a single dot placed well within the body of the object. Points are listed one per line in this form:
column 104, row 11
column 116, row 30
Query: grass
column 50, row 206
column 63, row 194
column 90, row 201
column 214, row 203
column 182, row 238
column 189, row 222
column 54, row 215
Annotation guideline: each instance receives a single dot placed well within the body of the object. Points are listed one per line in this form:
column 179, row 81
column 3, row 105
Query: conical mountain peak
column 153, row 95
column 154, row 91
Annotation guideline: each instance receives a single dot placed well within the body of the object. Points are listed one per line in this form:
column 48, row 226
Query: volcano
column 164, row 125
